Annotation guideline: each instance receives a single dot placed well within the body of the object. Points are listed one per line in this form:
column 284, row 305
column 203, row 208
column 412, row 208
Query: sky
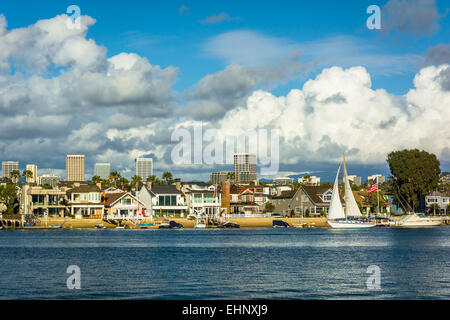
column 135, row 72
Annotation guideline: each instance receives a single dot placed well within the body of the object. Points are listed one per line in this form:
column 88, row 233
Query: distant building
column 48, row 179
column 33, row 169
column 143, row 167
column 309, row 180
column 381, row 178
column 75, row 168
column 283, row 181
column 218, row 177
column 356, row 180
column 102, row 170
column 244, row 167
column 8, row 166
column 439, row 198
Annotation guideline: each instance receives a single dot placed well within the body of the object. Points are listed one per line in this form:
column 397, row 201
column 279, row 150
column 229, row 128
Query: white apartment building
column 143, row 167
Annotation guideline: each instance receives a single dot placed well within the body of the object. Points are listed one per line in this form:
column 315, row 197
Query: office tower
column 102, row 170
column 143, row 167
column 75, row 168
column 33, row 169
column 244, row 167
column 8, row 166
column 218, row 177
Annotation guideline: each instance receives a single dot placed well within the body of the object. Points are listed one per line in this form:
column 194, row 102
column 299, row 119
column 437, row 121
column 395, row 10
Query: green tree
column 8, row 193
column 136, row 180
column 96, row 179
column 414, row 174
column 27, row 174
column 231, row 176
column 114, row 176
column 124, row 183
column 167, row 176
column 448, row 208
column 151, row 178
column 269, row 207
column 14, row 175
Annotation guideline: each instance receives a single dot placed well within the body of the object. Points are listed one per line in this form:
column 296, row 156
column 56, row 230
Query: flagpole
column 378, row 199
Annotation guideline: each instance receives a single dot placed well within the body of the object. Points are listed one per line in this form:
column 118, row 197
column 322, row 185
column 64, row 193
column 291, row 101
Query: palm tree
column 123, row 183
column 27, row 174
column 151, row 178
column 136, row 180
column 14, row 175
column 230, row 176
column 167, row 176
column 114, row 176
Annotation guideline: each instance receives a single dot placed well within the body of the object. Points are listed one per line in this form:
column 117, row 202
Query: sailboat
column 337, row 217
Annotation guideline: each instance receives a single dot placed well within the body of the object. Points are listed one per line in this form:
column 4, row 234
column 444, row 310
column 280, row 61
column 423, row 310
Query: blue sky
column 157, row 30
column 201, row 38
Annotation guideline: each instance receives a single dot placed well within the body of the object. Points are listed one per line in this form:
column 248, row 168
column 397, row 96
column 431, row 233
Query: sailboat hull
column 350, row 224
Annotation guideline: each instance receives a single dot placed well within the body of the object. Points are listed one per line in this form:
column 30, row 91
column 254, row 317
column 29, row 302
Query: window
column 208, row 198
column 197, row 198
column 126, row 201
column 167, row 200
column 297, row 209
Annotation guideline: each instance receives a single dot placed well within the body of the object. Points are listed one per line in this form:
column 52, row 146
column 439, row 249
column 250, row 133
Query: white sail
column 336, row 211
column 351, row 207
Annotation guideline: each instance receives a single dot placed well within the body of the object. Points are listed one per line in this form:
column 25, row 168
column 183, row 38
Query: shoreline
column 68, row 223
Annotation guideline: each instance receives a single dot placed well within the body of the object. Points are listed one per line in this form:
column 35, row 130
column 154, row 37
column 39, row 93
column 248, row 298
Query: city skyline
column 379, row 91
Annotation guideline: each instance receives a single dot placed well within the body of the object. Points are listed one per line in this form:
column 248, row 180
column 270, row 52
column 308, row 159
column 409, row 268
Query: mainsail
column 351, row 208
column 336, row 211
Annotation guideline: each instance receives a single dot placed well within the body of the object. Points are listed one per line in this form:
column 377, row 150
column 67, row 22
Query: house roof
column 84, row 188
column 286, row 194
column 313, row 192
column 111, row 198
column 165, row 189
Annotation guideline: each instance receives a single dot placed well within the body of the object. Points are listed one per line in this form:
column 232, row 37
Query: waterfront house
column 40, row 201
column 246, row 200
column 84, row 201
column 167, row 200
column 122, row 205
column 304, row 201
column 439, row 198
column 145, row 196
column 202, row 197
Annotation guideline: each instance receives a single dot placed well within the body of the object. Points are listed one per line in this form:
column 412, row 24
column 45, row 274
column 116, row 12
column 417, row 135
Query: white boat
column 200, row 220
column 337, row 217
column 200, row 224
column 415, row 220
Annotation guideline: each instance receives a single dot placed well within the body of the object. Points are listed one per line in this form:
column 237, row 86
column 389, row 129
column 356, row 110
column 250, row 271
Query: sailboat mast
column 345, row 189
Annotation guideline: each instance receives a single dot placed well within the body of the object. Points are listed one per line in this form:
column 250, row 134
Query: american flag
column 374, row 186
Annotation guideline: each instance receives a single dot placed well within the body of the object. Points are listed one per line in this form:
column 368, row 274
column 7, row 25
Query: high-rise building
column 244, row 167
column 8, row 166
column 143, row 167
column 75, row 168
column 49, row 179
column 33, row 169
column 102, row 170
column 218, row 177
